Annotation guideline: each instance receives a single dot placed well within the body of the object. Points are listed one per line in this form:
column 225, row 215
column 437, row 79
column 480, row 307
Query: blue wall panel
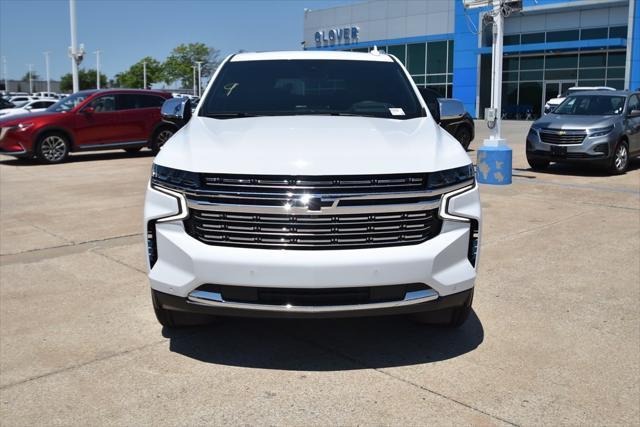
column 634, row 77
column 465, row 58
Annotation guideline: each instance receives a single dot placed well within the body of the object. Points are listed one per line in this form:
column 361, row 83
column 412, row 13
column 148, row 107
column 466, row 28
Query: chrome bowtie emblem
column 562, row 132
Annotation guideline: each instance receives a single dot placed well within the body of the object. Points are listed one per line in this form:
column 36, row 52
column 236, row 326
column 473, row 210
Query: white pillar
column 144, row 75
column 97, row 52
column 46, row 63
column 30, row 80
column 199, row 78
column 4, row 71
column 194, row 80
column 74, row 48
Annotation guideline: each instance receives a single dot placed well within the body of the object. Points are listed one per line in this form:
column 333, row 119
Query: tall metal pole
column 46, row 64
column 194, row 80
column 497, row 93
column 144, row 74
column 30, row 80
column 97, row 52
column 74, row 44
column 4, row 70
column 199, row 78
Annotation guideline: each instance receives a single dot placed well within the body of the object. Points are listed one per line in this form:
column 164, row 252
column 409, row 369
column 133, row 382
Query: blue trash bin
column 494, row 165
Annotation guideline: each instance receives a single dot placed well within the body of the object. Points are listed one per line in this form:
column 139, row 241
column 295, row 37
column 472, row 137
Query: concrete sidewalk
column 555, row 338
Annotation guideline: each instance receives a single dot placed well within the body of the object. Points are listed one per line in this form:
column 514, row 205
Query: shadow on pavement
column 579, row 169
column 81, row 157
column 324, row 345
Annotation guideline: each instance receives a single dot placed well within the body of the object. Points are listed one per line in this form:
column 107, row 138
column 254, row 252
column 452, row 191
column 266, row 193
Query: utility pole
column 4, row 71
column 76, row 54
column 97, row 52
column 194, row 80
column 30, row 80
column 199, row 78
column 144, row 74
column 46, row 64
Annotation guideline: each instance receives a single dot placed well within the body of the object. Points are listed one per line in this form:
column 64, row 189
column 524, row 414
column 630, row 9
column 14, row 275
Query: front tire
column 160, row 137
column 450, row 317
column 537, row 164
column 53, row 148
column 177, row 319
column 463, row 135
column 620, row 159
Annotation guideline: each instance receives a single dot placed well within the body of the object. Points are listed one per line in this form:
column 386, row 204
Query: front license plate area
column 558, row 151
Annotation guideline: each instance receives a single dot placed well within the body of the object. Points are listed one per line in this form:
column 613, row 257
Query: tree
column 34, row 76
column 179, row 64
column 134, row 76
column 86, row 79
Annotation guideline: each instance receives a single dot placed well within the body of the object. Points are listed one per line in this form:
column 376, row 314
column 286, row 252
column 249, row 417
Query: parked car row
column 87, row 120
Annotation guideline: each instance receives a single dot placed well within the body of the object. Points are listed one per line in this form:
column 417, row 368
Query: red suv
column 88, row 120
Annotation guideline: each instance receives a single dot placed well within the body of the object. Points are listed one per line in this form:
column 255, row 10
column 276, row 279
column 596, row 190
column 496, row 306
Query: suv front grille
column 343, row 231
column 556, row 136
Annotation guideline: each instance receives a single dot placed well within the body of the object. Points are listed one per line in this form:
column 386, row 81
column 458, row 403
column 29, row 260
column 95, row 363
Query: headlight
column 449, row 177
column 174, row 178
column 600, row 131
column 21, row 126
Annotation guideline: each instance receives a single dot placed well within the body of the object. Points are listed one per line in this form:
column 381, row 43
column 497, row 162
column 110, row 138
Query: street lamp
column 144, row 74
column 194, row 80
column 97, row 52
column 30, row 80
column 199, row 78
column 76, row 54
column 46, row 64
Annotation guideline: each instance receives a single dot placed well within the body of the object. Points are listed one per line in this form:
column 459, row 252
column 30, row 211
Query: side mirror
column 451, row 109
column 176, row 111
column 634, row 113
column 88, row 110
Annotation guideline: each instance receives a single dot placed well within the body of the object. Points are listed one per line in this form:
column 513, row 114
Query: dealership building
column 549, row 46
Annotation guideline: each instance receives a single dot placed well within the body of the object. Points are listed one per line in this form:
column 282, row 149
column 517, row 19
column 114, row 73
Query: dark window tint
column 450, row 56
column 531, row 75
column 532, row 38
column 593, row 33
column 616, row 59
column 104, row 104
column 436, row 57
column 510, row 64
column 512, row 39
column 564, row 61
column 615, row 73
column 397, row 51
column 128, row 101
column 299, row 87
column 594, row 73
column 561, row 74
column 151, row 101
column 532, row 63
column 634, row 103
column 618, row 32
column 416, row 58
column 593, row 60
column 591, row 105
column 562, row 36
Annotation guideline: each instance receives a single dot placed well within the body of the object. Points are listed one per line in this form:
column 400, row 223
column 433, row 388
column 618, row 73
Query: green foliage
column 34, row 76
column 134, row 76
column 179, row 64
column 86, row 80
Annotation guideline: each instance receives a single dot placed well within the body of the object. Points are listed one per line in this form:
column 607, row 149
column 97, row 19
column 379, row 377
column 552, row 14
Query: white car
column 47, row 95
column 311, row 184
column 554, row 102
column 29, row 107
column 21, row 100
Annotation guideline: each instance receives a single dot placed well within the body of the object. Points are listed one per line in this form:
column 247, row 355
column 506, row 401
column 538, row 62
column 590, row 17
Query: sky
column 127, row 30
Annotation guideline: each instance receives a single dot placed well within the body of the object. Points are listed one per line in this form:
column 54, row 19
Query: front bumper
column 13, row 143
column 183, row 264
column 592, row 149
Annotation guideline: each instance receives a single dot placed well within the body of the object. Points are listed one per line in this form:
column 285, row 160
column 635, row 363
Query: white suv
column 311, row 184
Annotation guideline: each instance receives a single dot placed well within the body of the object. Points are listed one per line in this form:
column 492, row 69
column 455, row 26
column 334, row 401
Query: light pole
column 194, row 80
column 46, row 64
column 199, row 78
column 30, row 80
column 144, row 74
column 97, row 52
column 75, row 53
column 4, row 71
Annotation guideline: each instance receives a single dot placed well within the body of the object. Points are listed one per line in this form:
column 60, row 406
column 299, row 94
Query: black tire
column 537, row 164
column 133, row 150
column 619, row 162
column 450, row 318
column 463, row 135
column 178, row 319
column 52, row 147
column 160, row 137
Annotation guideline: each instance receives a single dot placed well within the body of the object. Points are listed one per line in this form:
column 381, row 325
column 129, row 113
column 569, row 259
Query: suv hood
column 14, row 119
column 311, row 145
column 566, row 121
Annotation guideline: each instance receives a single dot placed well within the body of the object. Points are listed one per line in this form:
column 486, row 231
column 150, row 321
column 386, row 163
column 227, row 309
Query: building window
column 399, row 52
column 616, row 59
column 562, row 36
column 416, row 58
column 532, row 38
column 618, row 32
column 593, row 60
column 437, row 58
column 593, row 33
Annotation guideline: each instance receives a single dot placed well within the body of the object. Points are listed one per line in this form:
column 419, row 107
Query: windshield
column 591, row 105
column 68, row 103
column 311, row 87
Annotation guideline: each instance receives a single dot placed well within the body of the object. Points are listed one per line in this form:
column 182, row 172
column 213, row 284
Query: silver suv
column 598, row 127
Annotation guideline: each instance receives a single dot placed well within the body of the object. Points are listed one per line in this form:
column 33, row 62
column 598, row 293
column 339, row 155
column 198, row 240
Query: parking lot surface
column 555, row 337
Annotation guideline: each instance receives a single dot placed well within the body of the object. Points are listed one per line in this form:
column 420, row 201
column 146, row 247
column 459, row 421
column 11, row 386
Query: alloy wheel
column 53, row 148
column 621, row 157
column 163, row 137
